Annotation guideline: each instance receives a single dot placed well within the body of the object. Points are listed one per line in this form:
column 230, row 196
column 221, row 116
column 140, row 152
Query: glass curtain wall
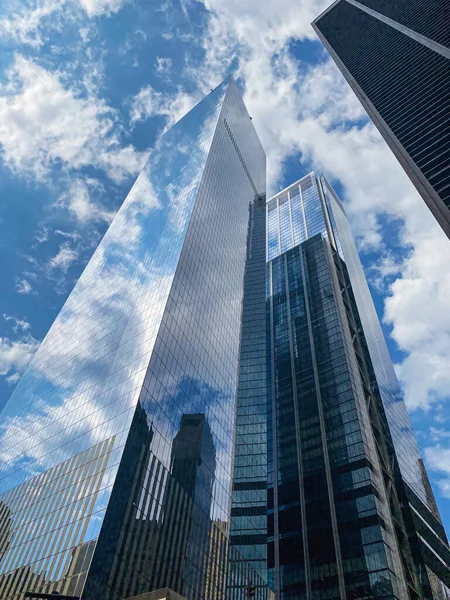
column 117, row 446
column 348, row 494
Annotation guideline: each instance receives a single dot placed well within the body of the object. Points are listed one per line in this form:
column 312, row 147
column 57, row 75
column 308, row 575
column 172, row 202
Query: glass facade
column 414, row 490
column 249, row 506
column 293, row 216
column 117, row 446
column 396, row 57
column 347, row 485
column 410, row 14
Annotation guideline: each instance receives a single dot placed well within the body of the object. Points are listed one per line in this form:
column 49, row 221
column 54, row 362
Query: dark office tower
column 143, row 357
column 350, row 511
column 248, row 527
column 396, row 57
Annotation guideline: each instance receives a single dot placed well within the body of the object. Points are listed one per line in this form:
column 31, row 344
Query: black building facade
column 396, row 58
column 248, row 529
column 351, row 513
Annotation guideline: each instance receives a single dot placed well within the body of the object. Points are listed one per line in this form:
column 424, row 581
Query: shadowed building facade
column 248, row 527
column 117, row 446
column 396, row 58
column 351, row 513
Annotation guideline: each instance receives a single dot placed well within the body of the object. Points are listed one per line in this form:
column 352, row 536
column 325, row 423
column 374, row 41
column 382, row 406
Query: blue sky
column 87, row 86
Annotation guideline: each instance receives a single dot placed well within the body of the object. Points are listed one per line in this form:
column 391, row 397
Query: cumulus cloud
column 417, row 310
column 16, row 323
column 95, row 8
column 14, row 378
column 386, row 268
column 15, row 356
column 79, row 203
column 44, row 123
column 255, row 24
column 25, row 25
column 53, row 268
column 63, row 258
column 163, row 64
column 438, row 459
column 23, row 286
column 150, row 103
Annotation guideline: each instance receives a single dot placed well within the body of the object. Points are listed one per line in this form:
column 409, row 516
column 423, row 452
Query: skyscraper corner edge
column 427, row 187
column 150, row 334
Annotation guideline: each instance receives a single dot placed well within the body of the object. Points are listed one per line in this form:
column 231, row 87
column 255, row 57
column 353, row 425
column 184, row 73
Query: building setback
column 351, row 513
column 396, row 58
column 117, row 445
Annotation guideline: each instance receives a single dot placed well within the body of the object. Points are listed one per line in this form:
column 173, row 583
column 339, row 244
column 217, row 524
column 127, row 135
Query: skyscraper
column 117, row 445
column 351, row 513
column 248, row 527
column 396, row 58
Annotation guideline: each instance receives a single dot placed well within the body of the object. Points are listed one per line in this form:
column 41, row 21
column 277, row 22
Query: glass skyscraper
column 117, row 446
column 396, row 57
column 215, row 409
column 351, row 513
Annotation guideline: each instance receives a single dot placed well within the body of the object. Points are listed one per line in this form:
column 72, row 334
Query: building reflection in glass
column 351, row 513
column 149, row 336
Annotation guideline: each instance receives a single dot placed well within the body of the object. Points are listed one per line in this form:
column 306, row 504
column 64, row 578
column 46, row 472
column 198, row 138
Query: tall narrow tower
column 117, row 445
column 396, row 57
column 351, row 513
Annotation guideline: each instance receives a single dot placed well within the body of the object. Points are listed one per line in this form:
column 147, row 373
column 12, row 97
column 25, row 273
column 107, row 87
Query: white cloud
column 63, row 258
column 78, row 201
column 163, row 64
column 150, row 103
column 23, row 286
column 25, row 25
column 436, row 435
column 145, row 104
column 323, row 96
column 255, row 24
column 15, row 355
column 280, row 92
column 66, row 234
column 418, row 311
column 438, row 459
column 14, row 378
column 95, row 8
column 42, row 235
column 388, row 266
column 54, row 268
column 43, row 123
column 16, row 323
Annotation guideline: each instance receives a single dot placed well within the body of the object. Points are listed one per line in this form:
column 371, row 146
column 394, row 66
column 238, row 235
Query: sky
column 86, row 88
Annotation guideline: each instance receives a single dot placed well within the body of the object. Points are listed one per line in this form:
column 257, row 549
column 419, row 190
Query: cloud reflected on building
column 139, row 369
